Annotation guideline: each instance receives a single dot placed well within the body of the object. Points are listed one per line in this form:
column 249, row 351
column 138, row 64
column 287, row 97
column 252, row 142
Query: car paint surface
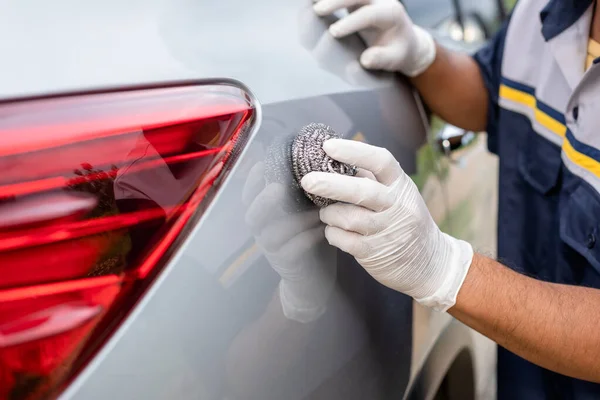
column 430, row 13
column 211, row 326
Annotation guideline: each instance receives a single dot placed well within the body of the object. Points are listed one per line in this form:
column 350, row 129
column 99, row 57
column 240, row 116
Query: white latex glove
column 399, row 44
column 387, row 227
column 294, row 244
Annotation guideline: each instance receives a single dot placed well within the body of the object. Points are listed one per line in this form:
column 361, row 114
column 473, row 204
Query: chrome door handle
column 451, row 138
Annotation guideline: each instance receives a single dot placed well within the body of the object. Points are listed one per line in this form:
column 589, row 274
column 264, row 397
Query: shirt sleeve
column 489, row 60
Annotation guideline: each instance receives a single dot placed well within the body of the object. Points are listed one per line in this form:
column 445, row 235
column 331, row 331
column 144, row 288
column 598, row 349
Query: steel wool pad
column 307, row 155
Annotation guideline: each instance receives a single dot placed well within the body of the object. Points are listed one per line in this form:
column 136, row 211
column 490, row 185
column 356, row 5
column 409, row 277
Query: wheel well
column 449, row 368
column 459, row 382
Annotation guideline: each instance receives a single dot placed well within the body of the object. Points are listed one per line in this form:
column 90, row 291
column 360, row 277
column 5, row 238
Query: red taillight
column 95, row 193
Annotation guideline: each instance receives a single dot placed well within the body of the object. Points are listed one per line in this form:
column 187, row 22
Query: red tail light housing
column 96, row 192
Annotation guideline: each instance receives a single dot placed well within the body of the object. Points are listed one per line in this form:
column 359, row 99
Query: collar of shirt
column 559, row 15
column 566, row 28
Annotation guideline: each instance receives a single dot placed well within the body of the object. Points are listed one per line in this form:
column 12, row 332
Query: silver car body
column 210, row 327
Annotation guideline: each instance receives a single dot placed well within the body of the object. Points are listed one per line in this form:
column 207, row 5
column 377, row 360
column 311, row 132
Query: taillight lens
column 96, row 191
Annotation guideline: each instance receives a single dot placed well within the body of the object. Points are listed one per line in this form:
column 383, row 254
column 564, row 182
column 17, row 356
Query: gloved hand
column 385, row 224
column 399, row 45
column 294, row 244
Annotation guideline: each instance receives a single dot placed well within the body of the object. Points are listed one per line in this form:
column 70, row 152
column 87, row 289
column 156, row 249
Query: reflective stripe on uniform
column 546, row 121
column 532, row 79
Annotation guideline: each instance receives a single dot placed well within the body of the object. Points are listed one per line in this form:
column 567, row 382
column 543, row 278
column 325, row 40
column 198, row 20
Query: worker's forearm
column 554, row 326
column 453, row 89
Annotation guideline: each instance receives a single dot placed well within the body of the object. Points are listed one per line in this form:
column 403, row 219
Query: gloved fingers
column 363, row 173
column 372, row 158
column 349, row 242
column 368, row 16
column 348, row 189
column 267, row 206
column 351, row 218
column 327, row 7
column 254, row 184
column 379, row 57
column 275, row 234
